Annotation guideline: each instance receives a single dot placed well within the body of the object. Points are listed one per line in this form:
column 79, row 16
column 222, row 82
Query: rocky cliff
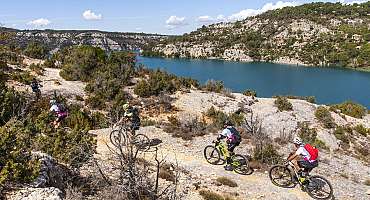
column 109, row 41
column 311, row 34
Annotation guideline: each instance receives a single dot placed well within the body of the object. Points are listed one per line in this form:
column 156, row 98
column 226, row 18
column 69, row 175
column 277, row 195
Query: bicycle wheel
column 319, row 187
column 241, row 164
column 117, row 138
column 212, row 155
column 281, row 176
column 141, row 141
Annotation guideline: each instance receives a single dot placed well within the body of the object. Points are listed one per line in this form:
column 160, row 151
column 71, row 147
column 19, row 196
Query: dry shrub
column 186, row 130
column 166, row 172
column 209, row 195
column 226, row 181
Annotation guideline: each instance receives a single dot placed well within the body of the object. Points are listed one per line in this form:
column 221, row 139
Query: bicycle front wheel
column 281, row 176
column 241, row 164
column 212, row 155
column 117, row 138
column 141, row 141
column 319, row 187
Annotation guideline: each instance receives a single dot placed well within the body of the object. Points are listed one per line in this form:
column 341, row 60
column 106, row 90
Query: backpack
column 34, row 86
column 235, row 133
column 313, row 151
column 62, row 108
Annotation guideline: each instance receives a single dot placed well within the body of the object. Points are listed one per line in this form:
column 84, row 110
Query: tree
column 36, row 50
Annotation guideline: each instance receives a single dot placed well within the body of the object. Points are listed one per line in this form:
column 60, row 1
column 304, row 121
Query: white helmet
column 297, row 141
column 53, row 101
column 125, row 106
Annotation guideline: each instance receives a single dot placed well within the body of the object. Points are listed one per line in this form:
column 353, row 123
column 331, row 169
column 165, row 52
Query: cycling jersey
column 301, row 151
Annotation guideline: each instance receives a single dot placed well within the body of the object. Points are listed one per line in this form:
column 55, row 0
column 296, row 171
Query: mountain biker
column 132, row 115
column 233, row 140
column 35, row 86
column 60, row 112
column 302, row 158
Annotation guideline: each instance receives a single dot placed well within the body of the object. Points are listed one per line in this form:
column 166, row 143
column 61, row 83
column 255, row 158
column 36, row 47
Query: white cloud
column 205, row 19
column 252, row 12
column 39, row 22
column 344, row 2
column 90, row 15
column 174, row 21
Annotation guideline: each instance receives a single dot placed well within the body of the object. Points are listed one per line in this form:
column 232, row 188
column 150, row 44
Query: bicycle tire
column 285, row 174
column 243, row 164
column 315, row 184
column 214, row 154
column 141, row 141
column 117, row 138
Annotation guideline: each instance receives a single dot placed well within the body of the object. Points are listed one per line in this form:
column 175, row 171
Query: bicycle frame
column 223, row 149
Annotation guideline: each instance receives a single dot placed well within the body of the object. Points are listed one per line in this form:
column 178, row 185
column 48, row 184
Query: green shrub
column 341, row 134
column 23, row 77
column 362, row 130
column 323, row 115
column 283, row 104
column 351, row 109
column 99, row 120
column 310, row 99
column 214, row 86
column 309, row 135
column 36, row 50
column 249, row 92
column 226, row 181
column 266, row 153
column 11, row 103
column 49, row 63
column 16, row 164
column 218, row 118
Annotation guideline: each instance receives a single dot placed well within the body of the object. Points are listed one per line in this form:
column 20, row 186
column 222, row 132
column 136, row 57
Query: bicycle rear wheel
column 281, row 176
column 241, row 164
column 118, row 138
column 319, row 187
column 141, row 141
column 212, row 155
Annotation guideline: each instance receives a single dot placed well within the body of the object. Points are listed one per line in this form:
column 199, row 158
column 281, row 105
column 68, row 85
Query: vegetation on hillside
column 325, row 34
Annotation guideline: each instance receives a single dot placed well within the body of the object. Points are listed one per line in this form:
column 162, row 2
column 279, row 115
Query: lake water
column 328, row 85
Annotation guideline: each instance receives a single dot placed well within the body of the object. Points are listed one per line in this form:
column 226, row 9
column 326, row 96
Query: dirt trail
column 190, row 158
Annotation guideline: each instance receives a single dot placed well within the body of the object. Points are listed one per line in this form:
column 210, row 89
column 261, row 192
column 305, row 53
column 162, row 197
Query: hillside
column 311, row 34
column 56, row 39
column 181, row 118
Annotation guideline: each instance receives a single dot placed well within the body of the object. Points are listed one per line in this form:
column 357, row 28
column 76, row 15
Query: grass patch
column 226, row 181
column 362, row 130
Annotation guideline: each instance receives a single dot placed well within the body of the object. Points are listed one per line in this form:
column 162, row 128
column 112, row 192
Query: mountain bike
column 287, row 176
column 213, row 153
column 124, row 136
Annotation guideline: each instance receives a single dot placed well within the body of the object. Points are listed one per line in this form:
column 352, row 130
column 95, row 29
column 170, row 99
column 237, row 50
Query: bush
column 248, row 92
column 362, row 130
column 218, row 118
column 214, row 86
column 36, row 50
column 226, row 181
column 23, row 77
column 99, row 120
column 16, row 164
column 266, row 153
column 323, row 115
column 209, row 195
column 309, row 135
column 186, row 130
column 341, row 134
column 310, row 99
column 11, row 103
column 351, row 109
column 166, row 173
column 37, row 68
column 283, row 104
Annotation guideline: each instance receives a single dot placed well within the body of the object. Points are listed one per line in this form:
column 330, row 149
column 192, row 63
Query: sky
column 149, row 16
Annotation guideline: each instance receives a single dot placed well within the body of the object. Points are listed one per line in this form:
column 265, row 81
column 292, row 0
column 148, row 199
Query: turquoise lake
column 328, row 85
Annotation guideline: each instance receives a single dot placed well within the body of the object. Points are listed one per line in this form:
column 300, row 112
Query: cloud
column 344, row 2
column 90, row 15
column 174, row 21
column 252, row 12
column 205, row 19
column 39, row 22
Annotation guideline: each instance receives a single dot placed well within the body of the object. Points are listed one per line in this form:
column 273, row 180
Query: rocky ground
column 346, row 173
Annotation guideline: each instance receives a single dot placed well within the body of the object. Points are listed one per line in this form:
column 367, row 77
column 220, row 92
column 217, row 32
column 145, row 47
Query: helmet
column 125, row 106
column 297, row 141
column 228, row 123
column 53, row 101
